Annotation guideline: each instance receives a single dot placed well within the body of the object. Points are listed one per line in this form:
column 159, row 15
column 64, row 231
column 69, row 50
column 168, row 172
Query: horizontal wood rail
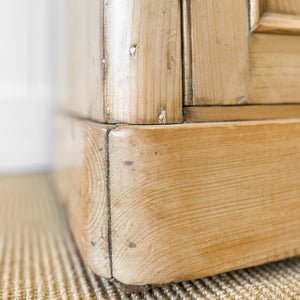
column 194, row 114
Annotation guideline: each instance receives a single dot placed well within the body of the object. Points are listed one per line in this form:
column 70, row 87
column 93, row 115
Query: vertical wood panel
column 83, row 74
column 220, row 51
column 275, row 62
column 124, row 61
column 143, row 61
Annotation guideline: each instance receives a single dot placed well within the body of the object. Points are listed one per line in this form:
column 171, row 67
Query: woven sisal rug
column 39, row 260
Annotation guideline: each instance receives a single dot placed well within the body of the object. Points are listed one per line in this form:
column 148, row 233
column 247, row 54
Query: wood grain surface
column 195, row 114
column 220, row 52
column 274, row 16
column 82, row 72
column 155, row 204
column 184, row 201
column 194, row 200
column 124, row 61
column 143, row 57
column 279, row 23
column 275, row 68
column 283, row 6
column 81, row 178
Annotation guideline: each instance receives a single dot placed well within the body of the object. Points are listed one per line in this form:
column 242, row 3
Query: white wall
column 29, row 82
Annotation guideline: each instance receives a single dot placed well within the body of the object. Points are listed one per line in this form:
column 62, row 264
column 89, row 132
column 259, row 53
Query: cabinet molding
column 256, row 9
column 175, row 202
column 187, row 43
column 279, row 23
column 275, row 16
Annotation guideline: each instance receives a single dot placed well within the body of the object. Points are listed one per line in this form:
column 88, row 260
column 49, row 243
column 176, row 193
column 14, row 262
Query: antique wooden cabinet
column 178, row 135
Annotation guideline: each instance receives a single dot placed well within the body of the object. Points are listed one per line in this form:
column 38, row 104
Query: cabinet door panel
column 275, row 51
column 231, row 59
column 219, row 39
column 275, row 68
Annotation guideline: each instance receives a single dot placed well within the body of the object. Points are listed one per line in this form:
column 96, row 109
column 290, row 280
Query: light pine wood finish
column 275, row 68
column 279, row 23
column 162, row 203
column 124, row 58
column 124, row 61
column 195, row 114
column 220, row 56
column 81, row 178
column 82, row 62
column 187, row 45
column 283, row 6
column 143, row 56
column 274, row 16
column 228, row 200
column 274, row 58
column 194, row 200
column 219, row 47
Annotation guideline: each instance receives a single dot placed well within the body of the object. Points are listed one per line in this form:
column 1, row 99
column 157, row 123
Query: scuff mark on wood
column 132, row 245
column 162, row 119
column 133, row 50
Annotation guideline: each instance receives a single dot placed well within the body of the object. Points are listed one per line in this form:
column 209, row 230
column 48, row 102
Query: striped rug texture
column 39, row 259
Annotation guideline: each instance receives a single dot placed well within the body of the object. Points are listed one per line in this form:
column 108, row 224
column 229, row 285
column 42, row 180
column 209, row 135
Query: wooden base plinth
column 159, row 203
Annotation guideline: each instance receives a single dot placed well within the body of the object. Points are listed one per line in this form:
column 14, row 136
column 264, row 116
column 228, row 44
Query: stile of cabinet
column 177, row 139
column 124, row 61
